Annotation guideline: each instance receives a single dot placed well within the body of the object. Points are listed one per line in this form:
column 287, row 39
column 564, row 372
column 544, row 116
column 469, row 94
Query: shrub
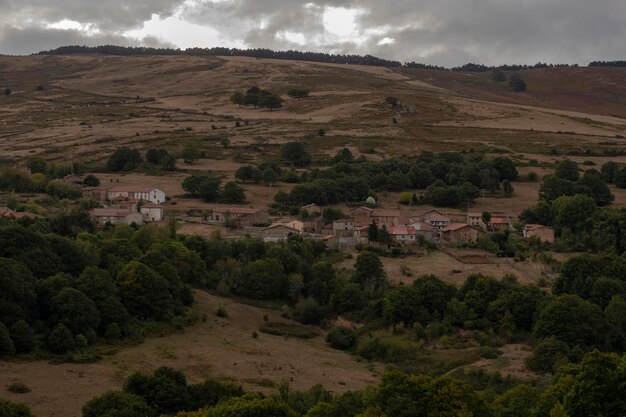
column 23, row 336
column 7, row 347
column 18, row 388
column 221, row 311
column 308, row 311
column 341, row 337
column 372, row 349
column 290, row 330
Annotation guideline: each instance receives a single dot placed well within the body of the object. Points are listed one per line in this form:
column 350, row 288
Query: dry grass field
column 221, row 347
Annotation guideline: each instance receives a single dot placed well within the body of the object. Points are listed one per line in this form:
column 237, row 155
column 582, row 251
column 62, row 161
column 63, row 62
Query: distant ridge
column 302, row 56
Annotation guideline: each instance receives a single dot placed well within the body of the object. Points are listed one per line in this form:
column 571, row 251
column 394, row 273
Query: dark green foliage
column 37, row 165
column 91, row 181
column 498, row 76
column 9, row 409
column 117, row 404
column 232, row 194
column 308, row 311
column 572, row 320
column 144, row 292
column 262, row 279
column 516, row 83
column 422, row 302
column 609, row 171
column 573, row 211
column 249, row 173
column 7, row 347
column 298, row 93
column 369, row 272
column 60, row 339
column 579, row 273
column 124, row 159
column 567, row 170
column 548, row 354
column 341, row 338
column 295, row 153
column 343, row 155
column 599, row 191
column 75, row 310
column 271, row 101
column 206, row 187
column 23, row 336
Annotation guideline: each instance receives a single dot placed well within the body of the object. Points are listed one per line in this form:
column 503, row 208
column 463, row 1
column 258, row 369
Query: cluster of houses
column 125, row 204
column 432, row 226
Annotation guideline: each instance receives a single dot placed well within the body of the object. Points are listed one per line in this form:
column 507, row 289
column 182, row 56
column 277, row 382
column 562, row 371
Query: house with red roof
column 501, row 223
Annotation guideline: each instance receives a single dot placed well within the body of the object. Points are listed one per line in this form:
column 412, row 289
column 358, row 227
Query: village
column 123, row 204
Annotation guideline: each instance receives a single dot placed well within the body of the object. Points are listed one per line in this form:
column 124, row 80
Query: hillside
column 92, row 103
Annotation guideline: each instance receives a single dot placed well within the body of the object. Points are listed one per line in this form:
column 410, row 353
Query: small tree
column 191, row 153
column 507, row 188
column 225, row 142
column 298, row 93
column 237, row 98
column 232, row 194
column 124, row 159
column 60, row 339
column 23, row 336
column 372, row 232
column 295, row 153
column 91, row 181
column 7, row 91
column 498, row 76
column 271, row 101
column 517, row 84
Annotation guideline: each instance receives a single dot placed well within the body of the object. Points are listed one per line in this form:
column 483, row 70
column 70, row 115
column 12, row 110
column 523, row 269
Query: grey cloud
column 443, row 32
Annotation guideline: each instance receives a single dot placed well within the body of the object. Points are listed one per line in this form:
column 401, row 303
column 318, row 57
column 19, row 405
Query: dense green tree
column 554, row 187
column 599, row 191
column 117, row 404
column 548, row 354
column 91, row 181
column 506, row 168
column 615, row 314
column 232, row 194
column 17, row 292
column 517, row 84
column 369, row 272
column 144, row 292
column 206, row 187
column 271, row 101
column 60, row 339
column 342, row 338
column 344, row 155
column 9, row 409
column 567, row 170
column 295, row 153
column 620, row 178
column 23, row 336
column 298, row 93
column 75, row 310
column 124, row 159
column 323, row 282
column 572, row 320
column 573, row 211
column 608, row 171
column 517, row 402
column 262, row 279
column 7, row 347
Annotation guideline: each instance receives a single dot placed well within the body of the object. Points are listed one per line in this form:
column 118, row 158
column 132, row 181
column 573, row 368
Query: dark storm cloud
column 443, row 32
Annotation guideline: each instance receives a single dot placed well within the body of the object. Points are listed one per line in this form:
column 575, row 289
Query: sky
column 437, row 32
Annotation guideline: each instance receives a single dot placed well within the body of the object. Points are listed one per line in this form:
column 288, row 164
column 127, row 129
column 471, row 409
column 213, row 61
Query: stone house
column 103, row 216
column 240, row 216
column 437, row 220
column 501, row 223
column 278, row 232
column 539, row 231
column 476, row 219
column 343, row 228
column 151, row 212
column 422, row 229
column 404, row 234
column 460, row 233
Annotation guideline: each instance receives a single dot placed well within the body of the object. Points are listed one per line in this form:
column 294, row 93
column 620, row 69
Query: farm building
column 240, row 216
column 539, row 231
column 460, row 233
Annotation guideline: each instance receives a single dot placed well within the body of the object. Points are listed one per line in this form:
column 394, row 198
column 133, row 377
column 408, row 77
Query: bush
column 221, row 311
column 341, row 338
column 308, row 311
column 124, row 159
column 7, row 347
column 290, row 330
column 18, row 388
column 372, row 349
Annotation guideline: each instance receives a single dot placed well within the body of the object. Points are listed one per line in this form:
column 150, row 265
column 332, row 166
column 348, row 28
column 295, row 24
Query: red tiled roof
column 402, row 230
column 456, row 226
column 424, row 227
column 500, row 220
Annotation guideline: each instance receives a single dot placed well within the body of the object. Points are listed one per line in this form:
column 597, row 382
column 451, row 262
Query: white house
column 153, row 195
column 151, row 212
